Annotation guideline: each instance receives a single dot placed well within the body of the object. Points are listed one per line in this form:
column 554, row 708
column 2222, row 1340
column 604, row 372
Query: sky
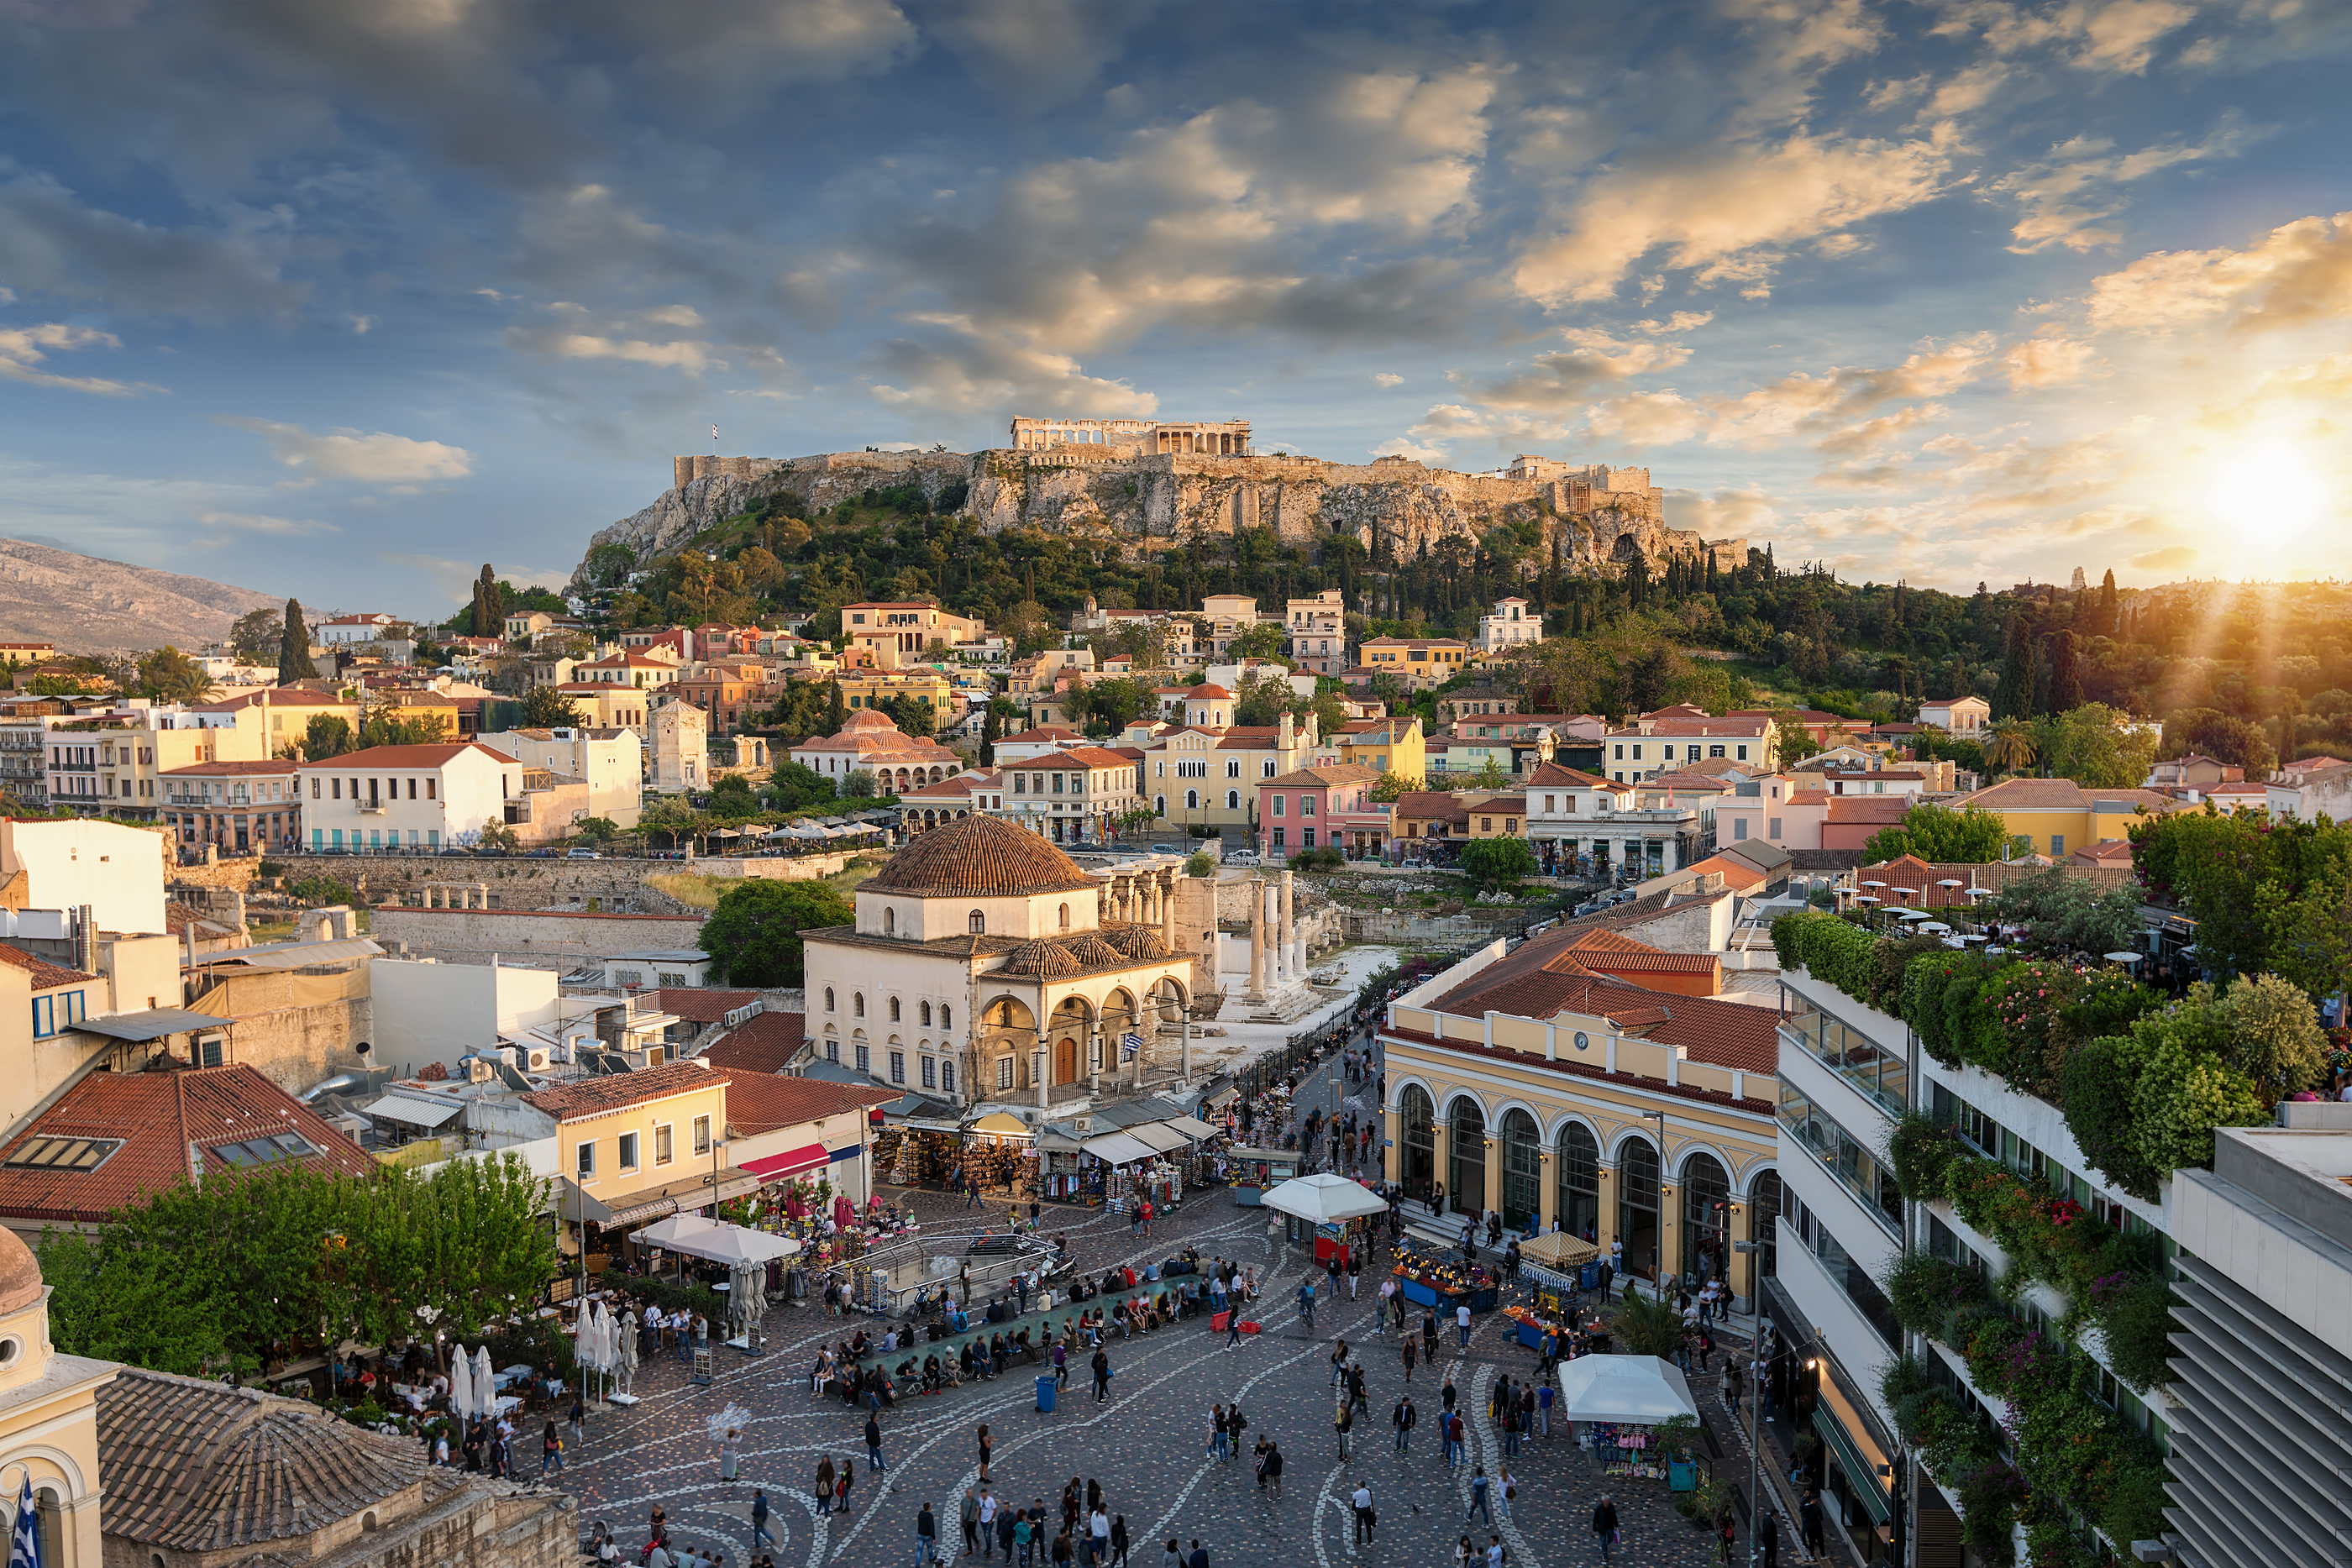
column 343, row 301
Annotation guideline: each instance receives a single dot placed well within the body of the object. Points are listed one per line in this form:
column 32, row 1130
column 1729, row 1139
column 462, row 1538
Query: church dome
column 1139, row 942
column 868, row 718
column 1093, row 952
column 1046, row 960
column 979, row 857
column 20, row 1274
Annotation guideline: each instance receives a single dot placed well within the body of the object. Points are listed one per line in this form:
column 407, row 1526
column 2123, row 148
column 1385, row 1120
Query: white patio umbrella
column 594, row 1349
column 1325, row 1199
column 628, row 1346
column 486, row 1383
column 461, row 1384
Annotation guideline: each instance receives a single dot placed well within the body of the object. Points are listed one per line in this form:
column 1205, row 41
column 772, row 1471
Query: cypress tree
column 2017, row 669
column 991, row 728
column 294, row 648
column 836, row 712
column 2065, row 674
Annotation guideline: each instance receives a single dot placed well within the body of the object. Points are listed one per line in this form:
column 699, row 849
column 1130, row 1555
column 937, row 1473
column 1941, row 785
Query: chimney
column 85, row 940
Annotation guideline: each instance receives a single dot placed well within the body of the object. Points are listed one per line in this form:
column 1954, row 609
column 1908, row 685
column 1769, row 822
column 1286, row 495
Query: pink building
column 1326, row 807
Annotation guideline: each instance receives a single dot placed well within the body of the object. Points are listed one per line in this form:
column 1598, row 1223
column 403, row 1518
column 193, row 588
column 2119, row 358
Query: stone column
column 1289, row 933
column 1740, row 1268
column 1670, row 1231
column 1604, row 1228
column 1494, row 1199
column 1095, row 1043
column 1393, row 1140
column 1441, row 1155
column 1547, row 1191
column 1257, row 939
column 1168, row 914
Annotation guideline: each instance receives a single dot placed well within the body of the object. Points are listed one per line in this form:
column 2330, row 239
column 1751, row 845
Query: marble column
column 1168, row 914
column 1257, row 939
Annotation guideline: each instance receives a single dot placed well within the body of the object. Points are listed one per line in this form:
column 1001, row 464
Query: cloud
column 1034, row 54
column 1387, row 379
column 1398, row 446
column 1726, row 209
column 732, row 58
column 2117, row 37
column 681, row 354
column 2299, row 272
column 2326, row 383
column 52, row 245
column 1870, row 434
column 377, row 459
column 260, row 523
column 982, row 371
column 1561, row 380
column 1727, row 514
column 2064, row 198
column 2048, row 360
column 2171, row 558
column 21, row 357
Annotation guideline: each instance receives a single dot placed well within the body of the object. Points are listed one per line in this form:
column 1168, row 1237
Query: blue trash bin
column 1046, row 1395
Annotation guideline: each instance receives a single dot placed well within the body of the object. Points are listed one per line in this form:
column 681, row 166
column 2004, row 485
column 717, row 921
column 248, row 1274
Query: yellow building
column 870, row 688
column 1528, row 1085
column 605, row 706
column 645, row 1144
column 1421, row 663
column 48, row 1416
column 2058, row 816
column 1498, row 816
column 1385, row 746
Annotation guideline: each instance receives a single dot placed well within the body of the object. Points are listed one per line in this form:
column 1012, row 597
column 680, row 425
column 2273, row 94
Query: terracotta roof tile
column 761, row 1102
column 1543, row 979
column 590, row 1095
column 981, row 856
column 165, row 1123
column 192, row 1465
column 764, row 1042
column 45, row 974
column 702, row 1004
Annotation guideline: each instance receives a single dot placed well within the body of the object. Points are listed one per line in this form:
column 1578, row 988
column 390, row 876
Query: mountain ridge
column 88, row 605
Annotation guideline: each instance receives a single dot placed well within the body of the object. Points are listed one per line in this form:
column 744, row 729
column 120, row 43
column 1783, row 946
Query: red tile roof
column 761, row 1044
column 590, row 1096
column 760, row 1102
column 1543, row 979
column 702, row 1004
column 170, row 1123
column 1431, row 805
column 1868, row 807
column 1558, row 775
column 379, row 756
column 45, row 974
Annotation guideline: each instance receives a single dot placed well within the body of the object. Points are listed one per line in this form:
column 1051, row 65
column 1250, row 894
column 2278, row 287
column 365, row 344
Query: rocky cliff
column 86, row 605
column 1116, row 496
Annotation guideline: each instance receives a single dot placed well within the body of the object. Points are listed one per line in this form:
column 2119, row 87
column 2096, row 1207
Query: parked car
column 581, row 855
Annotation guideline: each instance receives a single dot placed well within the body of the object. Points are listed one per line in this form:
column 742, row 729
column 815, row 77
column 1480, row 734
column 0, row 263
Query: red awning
column 776, row 1167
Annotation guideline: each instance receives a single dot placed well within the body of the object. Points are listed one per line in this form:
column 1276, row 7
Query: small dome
column 983, row 856
column 868, row 718
column 20, row 1274
column 1139, row 942
column 1093, row 952
column 1046, row 960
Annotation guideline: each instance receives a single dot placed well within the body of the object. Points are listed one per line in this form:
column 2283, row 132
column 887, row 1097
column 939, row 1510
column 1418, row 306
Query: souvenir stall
column 1431, row 1279
column 1621, row 1401
column 1251, row 1173
column 1554, row 1268
column 1002, row 1150
column 1065, row 1172
column 1137, row 1169
column 1330, row 1209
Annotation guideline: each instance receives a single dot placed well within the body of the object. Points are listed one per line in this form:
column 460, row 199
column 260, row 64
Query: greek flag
column 1129, row 1044
column 24, row 1540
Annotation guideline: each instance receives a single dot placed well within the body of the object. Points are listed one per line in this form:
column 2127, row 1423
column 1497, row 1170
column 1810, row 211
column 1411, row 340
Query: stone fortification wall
column 527, row 938
column 614, row 886
column 1114, row 495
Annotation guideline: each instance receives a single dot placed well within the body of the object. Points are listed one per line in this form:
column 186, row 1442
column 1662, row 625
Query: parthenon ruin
column 1225, row 438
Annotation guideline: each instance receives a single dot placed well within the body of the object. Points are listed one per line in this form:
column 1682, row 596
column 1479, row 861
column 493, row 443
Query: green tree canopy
column 2096, row 745
column 325, row 735
column 169, row 676
column 253, row 636
column 1494, row 863
column 2067, row 910
column 294, row 648
column 753, row 937
column 2222, row 736
column 544, row 707
column 1941, row 836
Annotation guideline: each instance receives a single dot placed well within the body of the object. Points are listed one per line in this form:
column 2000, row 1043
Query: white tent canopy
column 1641, row 1390
column 1325, row 1199
column 730, row 1244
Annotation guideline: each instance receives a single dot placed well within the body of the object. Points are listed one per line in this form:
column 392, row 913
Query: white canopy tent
column 717, row 1243
column 1639, row 1390
column 1325, row 1199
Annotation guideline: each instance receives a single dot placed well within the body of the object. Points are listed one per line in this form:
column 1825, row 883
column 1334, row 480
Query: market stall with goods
column 1557, row 1268
column 1252, row 1172
column 1430, row 1279
column 1332, row 1210
column 1621, row 1401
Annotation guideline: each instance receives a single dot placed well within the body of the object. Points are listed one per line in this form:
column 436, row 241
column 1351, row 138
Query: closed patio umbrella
column 461, row 1384
column 486, row 1383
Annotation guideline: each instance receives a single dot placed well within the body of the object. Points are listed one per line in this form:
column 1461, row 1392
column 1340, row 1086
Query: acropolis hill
column 1135, row 481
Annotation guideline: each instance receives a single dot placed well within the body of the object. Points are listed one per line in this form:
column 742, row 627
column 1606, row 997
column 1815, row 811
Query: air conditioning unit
column 504, row 1054
column 535, row 1060
column 480, row 1069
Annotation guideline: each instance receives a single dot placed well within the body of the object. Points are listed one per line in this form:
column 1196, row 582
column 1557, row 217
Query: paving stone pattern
column 1147, row 1444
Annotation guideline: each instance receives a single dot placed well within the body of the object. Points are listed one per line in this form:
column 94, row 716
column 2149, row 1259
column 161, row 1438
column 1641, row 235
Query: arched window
column 1637, row 1207
column 1066, row 917
column 1706, row 1216
column 1579, row 1159
column 946, row 1076
column 979, row 924
column 894, row 1009
column 1192, row 799
column 1159, row 804
column 828, row 998
column 927, row 1015
column 945, row 1021
column 857, row 1004
column 1233, row 800
column 890, row 922
column 833, row 1051
column 1465, row 1172
column 1418, row 1168
column 1522, row 1170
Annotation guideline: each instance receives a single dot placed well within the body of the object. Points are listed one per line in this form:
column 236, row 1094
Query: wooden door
column 1066, row 1061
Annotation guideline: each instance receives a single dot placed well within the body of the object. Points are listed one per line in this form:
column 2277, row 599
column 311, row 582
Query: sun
column 2270, row 496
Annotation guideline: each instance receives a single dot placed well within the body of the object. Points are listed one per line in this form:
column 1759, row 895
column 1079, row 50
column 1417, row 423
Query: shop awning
column 1003, row 1124
column 413, row 1110
column 1190, row 1128
column 1559, row 1250
column 717, row 1243
column 1641, row 1390
column 1160, row 1137
column 155, row 1023
column 672, row 1197
column 1119, row 1149
column 566, row 1201
column 776, row 1167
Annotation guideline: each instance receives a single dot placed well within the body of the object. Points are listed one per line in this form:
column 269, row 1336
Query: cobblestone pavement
column 1147, row 1443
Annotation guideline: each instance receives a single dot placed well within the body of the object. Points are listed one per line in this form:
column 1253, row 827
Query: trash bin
column 1046, row 1395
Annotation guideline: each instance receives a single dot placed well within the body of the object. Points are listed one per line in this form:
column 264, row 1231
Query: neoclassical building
column 867, row 740
column 986, row 963
column 48, row 1418
column 1533, row 1084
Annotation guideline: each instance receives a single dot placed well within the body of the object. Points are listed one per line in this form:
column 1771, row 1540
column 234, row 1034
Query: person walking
column 1387, row 1293
column 1767, row 1536
column 987, row 1516
column 1061, row 1363
column 987, row 1447
column 1404, row 1418
column 1429, row 1334
column 1361, row 1499
column 1808, row 1520
column 1731, row 1386
column 844, row 1476
column 1338, row 1361
column 1460, row 1434
column 550, row 1451
column 1306, row 1305
column 927, row 1537
column 1233, row 1326
column 1356, row 1388
column 760, row 1536
column 1118, row 1542
column 1461, row 1323
column 1479, row 1487
column 1102, row 1376
column 1343, row 1423
column 825, row 1483
column 968, row 1512
column 1217, row 1432
column 1543, row 1409
column 1410, row 1357
column 1604, row 1524
column 873, row 1443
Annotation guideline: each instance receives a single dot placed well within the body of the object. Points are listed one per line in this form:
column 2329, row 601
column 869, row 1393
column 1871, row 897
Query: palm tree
column 2010, row 750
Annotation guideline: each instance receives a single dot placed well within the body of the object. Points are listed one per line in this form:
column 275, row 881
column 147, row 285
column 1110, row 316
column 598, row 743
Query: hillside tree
column 294, row 648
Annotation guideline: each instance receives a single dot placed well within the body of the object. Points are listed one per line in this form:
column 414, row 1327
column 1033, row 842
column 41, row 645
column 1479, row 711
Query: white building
column 985, row 964
column 1071, row 796
column 414, row 797
column 1318, row 631
column 2310, row 788
column 1960, row 716
column 680, row 754
column 117, row 870
column 611, row 762
column 1651, row 746
column 344, row 630
column 1578, row 821
column 1511, row 624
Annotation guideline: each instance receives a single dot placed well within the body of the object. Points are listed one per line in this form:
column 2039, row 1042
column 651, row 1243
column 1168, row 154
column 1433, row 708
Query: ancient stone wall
column 537, row 939
column 612, row 886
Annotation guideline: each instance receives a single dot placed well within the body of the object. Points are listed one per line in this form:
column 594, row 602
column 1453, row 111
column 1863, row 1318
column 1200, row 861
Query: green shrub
column 1921, row 1150
column 2135, row 1318
column 2098, row 1099
column 1927, row 1291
